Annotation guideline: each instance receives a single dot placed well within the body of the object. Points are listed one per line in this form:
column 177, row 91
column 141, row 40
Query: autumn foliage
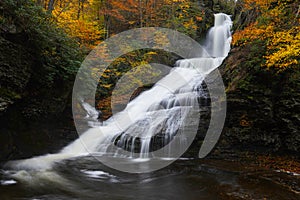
column 92, row 21
column 277, row 25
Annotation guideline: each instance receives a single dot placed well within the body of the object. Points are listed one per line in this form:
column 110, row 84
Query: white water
column 161, row 109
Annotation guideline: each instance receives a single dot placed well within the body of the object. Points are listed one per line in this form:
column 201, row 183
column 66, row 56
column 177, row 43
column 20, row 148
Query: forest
column 44, row 45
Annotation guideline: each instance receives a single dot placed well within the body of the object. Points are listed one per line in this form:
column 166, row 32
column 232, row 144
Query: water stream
column 171, row 104
column 74, row 174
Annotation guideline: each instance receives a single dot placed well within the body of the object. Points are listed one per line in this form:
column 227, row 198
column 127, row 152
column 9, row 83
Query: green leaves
column 57, row 57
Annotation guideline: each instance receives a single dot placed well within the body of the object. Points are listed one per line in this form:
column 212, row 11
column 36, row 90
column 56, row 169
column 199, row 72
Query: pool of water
column 87, row 178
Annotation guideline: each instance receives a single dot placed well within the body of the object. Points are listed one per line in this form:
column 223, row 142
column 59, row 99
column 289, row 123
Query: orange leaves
column 284, row 164
column 119, row 8
column 277, row 28
column 190, row 25
column 86, row 33
column 257, row 4
column 244, row 121
column 133, row 11
column 79, row 22
column 250, row 33
column 199, row 18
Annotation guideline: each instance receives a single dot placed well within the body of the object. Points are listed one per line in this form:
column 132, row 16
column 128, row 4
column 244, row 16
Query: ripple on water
column 97, row 174
column 8, row 182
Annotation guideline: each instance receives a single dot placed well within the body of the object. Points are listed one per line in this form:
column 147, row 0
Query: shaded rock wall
column 25, row 104
column 263, row 105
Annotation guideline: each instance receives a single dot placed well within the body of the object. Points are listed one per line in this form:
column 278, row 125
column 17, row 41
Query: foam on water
column 163, row 108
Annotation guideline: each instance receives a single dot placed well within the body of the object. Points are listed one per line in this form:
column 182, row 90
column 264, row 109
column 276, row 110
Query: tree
column 79, row 18
column 278, row 26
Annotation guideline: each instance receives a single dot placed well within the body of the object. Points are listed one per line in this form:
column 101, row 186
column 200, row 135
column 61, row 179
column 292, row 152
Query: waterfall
column 155, row 115
column 219, row 36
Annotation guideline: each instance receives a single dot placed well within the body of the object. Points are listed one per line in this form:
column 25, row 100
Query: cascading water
column 159, row 111
column 219, row 36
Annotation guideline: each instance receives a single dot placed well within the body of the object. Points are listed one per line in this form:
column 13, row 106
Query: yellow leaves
column 119, row 60
column 151, row 53
column 190, row 24
column 184, row 6
column 180, row 16
column 281, row 58
column 78, row 22
column 257, row 4
column 131, row 22
column 86, row 33
column 161, row 40
column 106, row 85
column 174, row 1
column 278, row 30
column 284, row 49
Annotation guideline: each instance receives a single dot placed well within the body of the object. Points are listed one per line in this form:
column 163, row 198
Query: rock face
column 26, row 102
column 30, row 114
column 37, row 67
column 19, row 69
column 14, row 72
column 263, row 106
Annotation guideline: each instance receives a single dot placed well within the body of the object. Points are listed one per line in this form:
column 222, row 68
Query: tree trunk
column 40, row 3
column 79, row 9
column 51, row 6
column 141, row 13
